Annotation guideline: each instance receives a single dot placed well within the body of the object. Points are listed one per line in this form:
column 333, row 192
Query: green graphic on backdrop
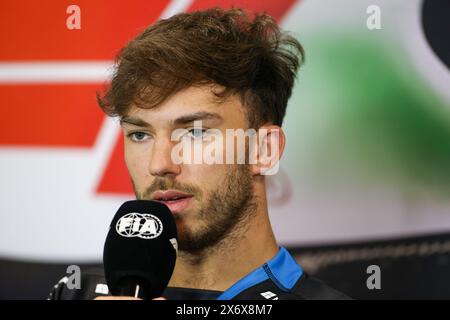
column 362, row 111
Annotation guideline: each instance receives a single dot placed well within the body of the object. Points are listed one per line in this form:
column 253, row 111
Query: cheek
column 136, row 163
column 204, row 176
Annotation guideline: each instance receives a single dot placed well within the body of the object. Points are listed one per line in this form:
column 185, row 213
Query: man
column 202, row 74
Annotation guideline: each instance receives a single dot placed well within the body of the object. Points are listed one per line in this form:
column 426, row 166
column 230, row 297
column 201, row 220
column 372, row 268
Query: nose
column 161, row 164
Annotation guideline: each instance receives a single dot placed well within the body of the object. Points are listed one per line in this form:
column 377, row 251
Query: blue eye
column 196, row 133
column 138, row 136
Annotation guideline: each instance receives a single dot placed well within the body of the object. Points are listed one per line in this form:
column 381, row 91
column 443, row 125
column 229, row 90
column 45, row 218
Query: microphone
column 140, row 249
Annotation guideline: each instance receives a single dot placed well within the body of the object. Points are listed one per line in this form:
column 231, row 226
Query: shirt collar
column 282, row 269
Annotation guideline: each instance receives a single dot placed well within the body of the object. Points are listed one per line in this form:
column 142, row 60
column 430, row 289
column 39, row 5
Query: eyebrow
column 201, row 115
column 134, row 121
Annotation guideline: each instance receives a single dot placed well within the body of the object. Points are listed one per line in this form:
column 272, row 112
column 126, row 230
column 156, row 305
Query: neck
column 251, row 245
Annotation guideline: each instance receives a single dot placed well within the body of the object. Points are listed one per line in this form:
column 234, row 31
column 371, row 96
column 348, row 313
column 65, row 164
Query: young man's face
column 214, row 197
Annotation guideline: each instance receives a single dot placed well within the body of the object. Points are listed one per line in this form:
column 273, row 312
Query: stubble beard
column 221, row 219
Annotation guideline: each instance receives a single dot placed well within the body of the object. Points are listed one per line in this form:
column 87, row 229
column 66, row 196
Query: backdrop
column 368, row 135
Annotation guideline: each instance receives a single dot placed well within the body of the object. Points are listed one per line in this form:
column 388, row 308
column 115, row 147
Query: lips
column 176, row 201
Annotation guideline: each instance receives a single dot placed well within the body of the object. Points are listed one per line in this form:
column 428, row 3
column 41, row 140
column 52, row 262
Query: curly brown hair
column 248, row 57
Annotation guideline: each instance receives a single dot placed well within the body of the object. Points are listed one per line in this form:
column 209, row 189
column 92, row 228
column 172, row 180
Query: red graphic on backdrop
column 36, row 30
column 55, row 115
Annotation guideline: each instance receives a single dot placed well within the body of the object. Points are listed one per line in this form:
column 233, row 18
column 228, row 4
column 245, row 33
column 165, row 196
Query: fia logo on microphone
column 142, row 225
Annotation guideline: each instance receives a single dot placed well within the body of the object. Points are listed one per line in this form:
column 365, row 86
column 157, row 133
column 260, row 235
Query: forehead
column 191, row 100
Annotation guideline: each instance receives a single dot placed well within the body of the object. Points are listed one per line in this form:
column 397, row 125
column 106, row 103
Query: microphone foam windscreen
column 141, row 245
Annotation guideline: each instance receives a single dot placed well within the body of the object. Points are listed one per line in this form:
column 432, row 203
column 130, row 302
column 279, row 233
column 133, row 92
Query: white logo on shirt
column 269, row 295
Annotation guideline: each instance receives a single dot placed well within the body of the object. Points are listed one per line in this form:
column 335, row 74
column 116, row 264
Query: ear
column 270, row 147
